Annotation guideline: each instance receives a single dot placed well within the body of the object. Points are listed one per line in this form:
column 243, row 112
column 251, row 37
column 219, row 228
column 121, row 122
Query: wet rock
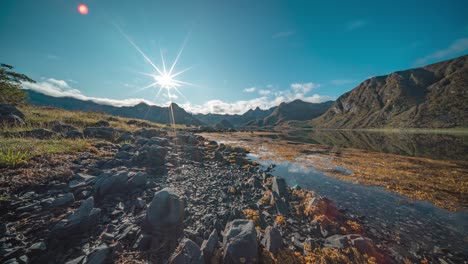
column 240, row 242
column 81, row 221
column 10, row 115
column 272, row 240
column 187, row 253
column 208, row 246
column 99, row 255
column 280, row 187
column 106, row 133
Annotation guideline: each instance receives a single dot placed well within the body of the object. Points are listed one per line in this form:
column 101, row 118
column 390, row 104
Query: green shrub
column 14, row 156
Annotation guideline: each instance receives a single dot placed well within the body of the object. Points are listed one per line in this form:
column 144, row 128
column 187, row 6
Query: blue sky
column 244, row 53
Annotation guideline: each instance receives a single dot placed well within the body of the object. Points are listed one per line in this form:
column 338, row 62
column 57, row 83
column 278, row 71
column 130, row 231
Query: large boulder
column 240, row 242
column 272, row 240
column 164, row 213
column 187, row 253
column 10, row 115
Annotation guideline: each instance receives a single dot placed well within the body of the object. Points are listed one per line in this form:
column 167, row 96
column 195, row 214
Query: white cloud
column 283, row 34
column 249, row 90
column 60, row 88
column 304, row 87
column 458, row 46
column 264, row 92
column 342, row 81
column 355, row 24
column 264, row 102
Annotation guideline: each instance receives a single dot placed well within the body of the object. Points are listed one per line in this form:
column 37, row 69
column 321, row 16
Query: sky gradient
column 243, row 53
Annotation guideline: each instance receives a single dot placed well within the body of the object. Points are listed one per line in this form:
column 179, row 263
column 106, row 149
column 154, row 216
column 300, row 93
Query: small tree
column 10, row 84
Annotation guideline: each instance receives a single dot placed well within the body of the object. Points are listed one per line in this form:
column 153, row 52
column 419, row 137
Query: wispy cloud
column 283, row 34
column 355, row 24
column 264, row 92
column 52, row 57
column 458, row 46
column 60, row 88
column 304, row 87
column 342, row 81
column 250, row 89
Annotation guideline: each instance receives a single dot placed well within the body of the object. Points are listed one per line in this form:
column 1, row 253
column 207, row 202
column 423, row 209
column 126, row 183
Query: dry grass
column 443, row 183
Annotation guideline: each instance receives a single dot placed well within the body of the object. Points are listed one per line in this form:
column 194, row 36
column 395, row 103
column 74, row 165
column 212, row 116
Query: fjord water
column 405, row 227
column 431, row 144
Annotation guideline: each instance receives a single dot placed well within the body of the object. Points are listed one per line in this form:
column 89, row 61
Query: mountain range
column 434, row 96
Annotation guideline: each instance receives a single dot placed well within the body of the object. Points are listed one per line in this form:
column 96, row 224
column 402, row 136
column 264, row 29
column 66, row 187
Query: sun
column 165, row 81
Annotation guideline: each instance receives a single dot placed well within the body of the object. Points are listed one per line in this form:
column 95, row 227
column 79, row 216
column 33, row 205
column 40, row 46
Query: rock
column 73, row 134
column 60, row 127
column 280, row 187
column 127, row 136
column 123, row 155
column 152, row 156
column 139, row 180
column 106, row 133
column 77, row 260
column 149, row 133
column 240, row 242
column 40, row 133
column 281, row 206
column 208, row 246
column 10, row 115
column 218, row 156
column 187, row 253
column 99, row 255
column 81, row 221
column 111, row 183
column 139, row 203
column 36, row 248
column 164, row 213
column 272, row 240
column 363, row 244
column 162, row 142
column 102, row 123
column 65, row 199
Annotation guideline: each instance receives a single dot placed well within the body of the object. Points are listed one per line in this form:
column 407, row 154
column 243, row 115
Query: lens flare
column 82, row 9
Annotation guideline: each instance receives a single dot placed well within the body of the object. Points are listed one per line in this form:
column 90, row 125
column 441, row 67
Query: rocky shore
column 162, row 198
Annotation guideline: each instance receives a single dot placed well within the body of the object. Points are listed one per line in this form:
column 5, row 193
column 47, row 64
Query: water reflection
column 453, row 146
column 405, row 226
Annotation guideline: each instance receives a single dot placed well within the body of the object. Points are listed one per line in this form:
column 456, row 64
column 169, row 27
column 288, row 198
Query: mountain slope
column 295, row 110
column 433, row 96
column 142, row 111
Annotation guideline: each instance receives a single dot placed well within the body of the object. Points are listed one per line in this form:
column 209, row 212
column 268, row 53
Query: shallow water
column 405, row 227
column 442, row 146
